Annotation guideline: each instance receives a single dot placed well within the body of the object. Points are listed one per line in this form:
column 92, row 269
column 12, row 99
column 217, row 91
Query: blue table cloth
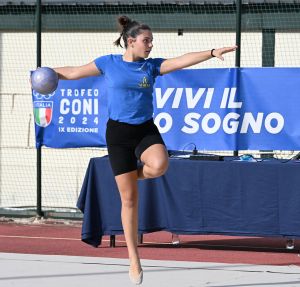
column 198, row 197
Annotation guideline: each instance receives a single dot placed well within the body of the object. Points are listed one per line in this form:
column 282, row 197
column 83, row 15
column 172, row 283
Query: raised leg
column 155, row 159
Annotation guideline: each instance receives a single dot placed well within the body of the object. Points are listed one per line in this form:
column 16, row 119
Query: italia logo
column 42, row 113
column 42, row 110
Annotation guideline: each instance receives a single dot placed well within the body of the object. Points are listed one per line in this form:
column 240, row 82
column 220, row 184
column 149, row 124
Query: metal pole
column 38, row 26
column 238, row 30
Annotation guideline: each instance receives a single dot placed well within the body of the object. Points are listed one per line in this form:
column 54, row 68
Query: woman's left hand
column 218, row 53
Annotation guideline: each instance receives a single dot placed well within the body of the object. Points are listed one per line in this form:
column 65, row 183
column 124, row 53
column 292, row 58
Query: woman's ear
column 130, row 42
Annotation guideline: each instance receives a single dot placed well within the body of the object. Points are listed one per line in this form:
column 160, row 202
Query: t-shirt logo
column 144, row 83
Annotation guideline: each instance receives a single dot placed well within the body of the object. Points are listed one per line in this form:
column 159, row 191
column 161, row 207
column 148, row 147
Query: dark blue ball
column 44, row 80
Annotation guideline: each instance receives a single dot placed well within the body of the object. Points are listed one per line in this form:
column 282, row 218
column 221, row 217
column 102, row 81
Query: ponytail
column 129, row 28
column 118, row 42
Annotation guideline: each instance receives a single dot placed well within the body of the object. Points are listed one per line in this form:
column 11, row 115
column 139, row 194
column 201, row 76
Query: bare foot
column 135, row 268
column 136, row 274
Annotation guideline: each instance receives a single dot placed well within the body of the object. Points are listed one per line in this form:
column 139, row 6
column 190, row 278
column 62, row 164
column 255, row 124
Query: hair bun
column 124, row 21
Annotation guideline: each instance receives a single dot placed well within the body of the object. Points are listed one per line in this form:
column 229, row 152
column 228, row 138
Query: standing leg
column 127, row 185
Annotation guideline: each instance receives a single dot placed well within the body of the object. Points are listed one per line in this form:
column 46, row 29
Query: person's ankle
column 135, row 263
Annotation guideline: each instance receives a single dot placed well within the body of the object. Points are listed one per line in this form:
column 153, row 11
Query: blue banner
column 78, row 114
column 213, row 109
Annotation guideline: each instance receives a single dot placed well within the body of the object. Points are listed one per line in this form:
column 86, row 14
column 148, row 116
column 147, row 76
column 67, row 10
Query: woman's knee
column 161, row 166
column 158, row 167
column 127, row 185
column 129, row 202
column 129, row 198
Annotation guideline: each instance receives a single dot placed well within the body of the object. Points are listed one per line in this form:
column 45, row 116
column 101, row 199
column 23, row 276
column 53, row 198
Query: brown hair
column 129, row 28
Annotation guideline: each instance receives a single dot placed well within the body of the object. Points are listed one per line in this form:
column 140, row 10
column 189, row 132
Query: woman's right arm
column 78, row 72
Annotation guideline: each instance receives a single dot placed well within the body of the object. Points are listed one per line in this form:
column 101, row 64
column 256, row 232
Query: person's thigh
column 155, row 156
column 121, row 144
column 122, row 159
column 127, row 186
column 151, row 140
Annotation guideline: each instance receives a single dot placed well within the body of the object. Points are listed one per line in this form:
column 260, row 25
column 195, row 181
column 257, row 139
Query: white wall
column 287, row 49
column 18, row 51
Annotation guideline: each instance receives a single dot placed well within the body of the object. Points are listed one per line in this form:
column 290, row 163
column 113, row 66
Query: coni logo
column 39, row 96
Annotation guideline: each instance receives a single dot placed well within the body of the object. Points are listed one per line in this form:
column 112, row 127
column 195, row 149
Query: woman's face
column 141, row 45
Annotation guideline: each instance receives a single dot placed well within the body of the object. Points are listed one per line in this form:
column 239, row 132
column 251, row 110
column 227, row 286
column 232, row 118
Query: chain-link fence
column 77, row 32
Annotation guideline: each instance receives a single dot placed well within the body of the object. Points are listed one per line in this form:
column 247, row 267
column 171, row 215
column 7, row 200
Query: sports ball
column 44, row 80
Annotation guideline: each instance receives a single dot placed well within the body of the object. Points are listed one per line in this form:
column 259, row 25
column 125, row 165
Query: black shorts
column 126, row 142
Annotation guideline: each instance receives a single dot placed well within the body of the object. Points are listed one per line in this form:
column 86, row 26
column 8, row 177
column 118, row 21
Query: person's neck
column 129, row 57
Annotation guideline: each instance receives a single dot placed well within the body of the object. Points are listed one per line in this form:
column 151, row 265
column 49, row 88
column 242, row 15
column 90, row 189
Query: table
column 198, row 197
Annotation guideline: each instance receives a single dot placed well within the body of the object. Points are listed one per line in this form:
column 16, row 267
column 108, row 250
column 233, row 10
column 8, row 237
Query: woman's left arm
column 193, row 58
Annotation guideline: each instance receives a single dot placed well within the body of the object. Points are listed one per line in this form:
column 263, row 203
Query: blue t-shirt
column 129, row 87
